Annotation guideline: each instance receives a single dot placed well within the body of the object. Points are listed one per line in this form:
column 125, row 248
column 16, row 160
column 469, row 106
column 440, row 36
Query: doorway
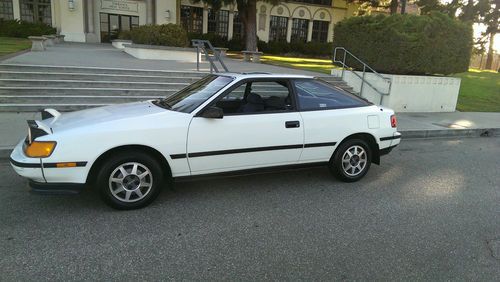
column 113, row 24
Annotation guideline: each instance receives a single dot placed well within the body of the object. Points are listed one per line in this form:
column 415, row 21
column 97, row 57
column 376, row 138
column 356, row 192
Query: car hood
column 105, row 114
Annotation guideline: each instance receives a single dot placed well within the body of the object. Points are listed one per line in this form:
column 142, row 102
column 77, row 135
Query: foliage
column 311, row 49
column 165, row 35
column 407, row 44
column 22, row 29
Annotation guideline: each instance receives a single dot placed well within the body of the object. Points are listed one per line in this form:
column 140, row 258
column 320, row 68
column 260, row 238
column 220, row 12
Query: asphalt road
column 431, row 211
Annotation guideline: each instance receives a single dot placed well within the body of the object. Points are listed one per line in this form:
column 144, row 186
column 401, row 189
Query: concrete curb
column 406, row 134
column 439, row 133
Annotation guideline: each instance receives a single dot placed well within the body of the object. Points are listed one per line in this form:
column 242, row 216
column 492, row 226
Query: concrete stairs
column 30, row 88
column 337, row 81
column 27, row 88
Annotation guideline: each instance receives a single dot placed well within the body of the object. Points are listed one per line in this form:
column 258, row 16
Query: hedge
column 22, row 29
column 165, row 35
column 407, row 44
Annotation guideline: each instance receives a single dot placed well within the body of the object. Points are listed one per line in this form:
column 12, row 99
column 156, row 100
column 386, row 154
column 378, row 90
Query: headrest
column 254, row 98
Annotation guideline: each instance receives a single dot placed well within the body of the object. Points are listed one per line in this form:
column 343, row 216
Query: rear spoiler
column 38, row 128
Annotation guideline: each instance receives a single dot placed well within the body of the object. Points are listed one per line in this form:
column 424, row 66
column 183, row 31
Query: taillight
column 394, row 121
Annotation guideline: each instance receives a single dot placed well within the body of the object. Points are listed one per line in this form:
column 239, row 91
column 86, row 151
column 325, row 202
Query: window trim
column 368, row 103
column 256, row 79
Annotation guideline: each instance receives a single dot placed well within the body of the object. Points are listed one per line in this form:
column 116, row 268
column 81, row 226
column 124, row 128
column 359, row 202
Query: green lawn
column 479, row 90
column 10, row 45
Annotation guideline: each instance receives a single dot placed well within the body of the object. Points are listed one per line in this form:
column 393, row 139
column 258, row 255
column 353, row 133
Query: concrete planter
column 152, row 52
column 120, row 43
column 408, row 93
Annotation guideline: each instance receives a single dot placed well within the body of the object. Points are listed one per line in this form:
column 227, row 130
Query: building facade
column 102, row 20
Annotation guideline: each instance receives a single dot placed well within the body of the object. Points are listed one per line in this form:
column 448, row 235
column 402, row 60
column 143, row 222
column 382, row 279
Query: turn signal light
column 394, row 122
column 39, row 149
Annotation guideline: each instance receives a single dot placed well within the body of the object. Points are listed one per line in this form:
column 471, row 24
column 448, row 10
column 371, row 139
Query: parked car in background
column 223, row 123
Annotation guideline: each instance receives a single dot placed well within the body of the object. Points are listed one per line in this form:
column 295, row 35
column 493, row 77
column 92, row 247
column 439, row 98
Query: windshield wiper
column 162, row 103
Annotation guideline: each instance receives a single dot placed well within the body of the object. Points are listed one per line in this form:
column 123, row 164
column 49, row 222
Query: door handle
column 292, row 124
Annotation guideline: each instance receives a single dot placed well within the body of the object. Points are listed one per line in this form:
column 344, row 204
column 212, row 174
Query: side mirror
column 213, row 112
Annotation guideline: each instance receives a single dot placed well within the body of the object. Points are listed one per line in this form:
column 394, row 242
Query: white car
column 223, row 123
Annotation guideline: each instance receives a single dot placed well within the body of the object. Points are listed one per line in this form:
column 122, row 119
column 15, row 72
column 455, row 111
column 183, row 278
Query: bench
column 60, row 38
column 251, row 56
column 50, row 40
column 222, row 51
column 37, row 43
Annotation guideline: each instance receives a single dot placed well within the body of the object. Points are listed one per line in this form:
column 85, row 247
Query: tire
column 130, row 180
column 351, row 160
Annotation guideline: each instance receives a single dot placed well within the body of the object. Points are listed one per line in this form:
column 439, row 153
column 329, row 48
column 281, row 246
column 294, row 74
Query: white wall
column 409, row 93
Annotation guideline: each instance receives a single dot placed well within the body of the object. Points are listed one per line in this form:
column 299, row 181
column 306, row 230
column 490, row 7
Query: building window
column 320, row 31
column 218, row 22
column 6, row 12
column 278, row 28
column 299, row 30
column 112, row 25
column 36, row 11
column 237, row 26
column 315, row 2
column 192, row 19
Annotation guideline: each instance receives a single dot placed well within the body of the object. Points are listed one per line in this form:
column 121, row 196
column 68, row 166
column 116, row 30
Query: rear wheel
column 130, row 180
column 351, row 161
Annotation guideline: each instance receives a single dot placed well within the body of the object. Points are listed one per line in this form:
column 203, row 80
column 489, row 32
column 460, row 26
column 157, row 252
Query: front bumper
column 56, row 188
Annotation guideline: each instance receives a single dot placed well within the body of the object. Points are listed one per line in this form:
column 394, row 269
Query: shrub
column 22, row 29
column 296, row 48
column 165, row 35
column 407, row 44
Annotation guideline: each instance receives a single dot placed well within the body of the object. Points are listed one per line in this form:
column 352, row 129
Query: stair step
column 24, row 107
column 70, row 91
column 95, row 70
column 93, row 77
column 86, row 83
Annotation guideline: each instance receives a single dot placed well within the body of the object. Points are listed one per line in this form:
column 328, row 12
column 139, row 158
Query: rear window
column 313, row 94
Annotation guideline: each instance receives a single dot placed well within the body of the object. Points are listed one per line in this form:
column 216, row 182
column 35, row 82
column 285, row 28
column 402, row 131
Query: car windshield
column 195, row 94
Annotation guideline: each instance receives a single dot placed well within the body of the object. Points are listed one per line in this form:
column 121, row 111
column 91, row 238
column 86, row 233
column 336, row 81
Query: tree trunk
column 394, row 7
column 403, row 6
column 489, row 57
column 249, row 20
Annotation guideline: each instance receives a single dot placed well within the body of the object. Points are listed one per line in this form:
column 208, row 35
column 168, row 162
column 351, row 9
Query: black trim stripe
column 311, row 145
column 250, row 150
column 45, row 165
column 54, row 165
column 390, row 138
column 27, row 165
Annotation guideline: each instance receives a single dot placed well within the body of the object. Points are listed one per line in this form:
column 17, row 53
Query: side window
column 317, row 95
column 257, row 97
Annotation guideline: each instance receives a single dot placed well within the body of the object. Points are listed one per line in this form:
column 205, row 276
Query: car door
column 329, row 115
column 260, row 128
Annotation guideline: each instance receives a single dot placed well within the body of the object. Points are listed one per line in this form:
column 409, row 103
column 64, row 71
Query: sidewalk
column 13, row 126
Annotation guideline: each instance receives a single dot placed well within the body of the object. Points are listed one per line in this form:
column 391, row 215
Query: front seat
column 254, row 104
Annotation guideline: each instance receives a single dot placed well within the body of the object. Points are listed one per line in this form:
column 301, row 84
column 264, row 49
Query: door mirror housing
column 213, row 112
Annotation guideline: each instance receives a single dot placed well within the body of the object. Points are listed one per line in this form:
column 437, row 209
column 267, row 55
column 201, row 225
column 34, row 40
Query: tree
column 247, row 10
column 489, row 14
column 366, row 4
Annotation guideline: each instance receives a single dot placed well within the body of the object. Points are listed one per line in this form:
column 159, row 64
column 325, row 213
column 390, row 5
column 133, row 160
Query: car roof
column 242, row 75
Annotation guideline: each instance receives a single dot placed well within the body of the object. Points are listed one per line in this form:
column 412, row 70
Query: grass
column 9, row 45
column 479, row 89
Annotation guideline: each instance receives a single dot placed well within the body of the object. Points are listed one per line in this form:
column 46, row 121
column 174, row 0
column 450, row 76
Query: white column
column 330, row 32
column 16, row 9
column 149, row 12
column 289, row 30
column 90, row 17
column 205, row 20
column 230, row 27
column 309, row 30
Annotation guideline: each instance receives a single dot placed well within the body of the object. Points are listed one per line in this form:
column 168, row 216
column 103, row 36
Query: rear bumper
column 387, row 150
column 56, row 188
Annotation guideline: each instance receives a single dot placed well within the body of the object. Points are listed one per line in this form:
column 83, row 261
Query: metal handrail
column 362, row 77
column 201, row 45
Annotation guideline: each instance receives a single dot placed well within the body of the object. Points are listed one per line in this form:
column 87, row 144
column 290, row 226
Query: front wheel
column 351, row 160
column 130, row 181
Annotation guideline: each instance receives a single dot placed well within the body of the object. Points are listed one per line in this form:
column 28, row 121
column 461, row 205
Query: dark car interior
column 257, row 96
